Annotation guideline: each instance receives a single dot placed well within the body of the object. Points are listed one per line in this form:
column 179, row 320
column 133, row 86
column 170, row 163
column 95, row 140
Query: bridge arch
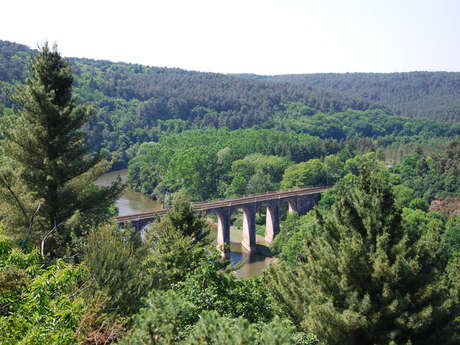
column 272, row 218
column 292, row 205
column 224, row 214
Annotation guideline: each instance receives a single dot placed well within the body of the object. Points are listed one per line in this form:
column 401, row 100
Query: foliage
column 114, row 259
column 184, row 220
column 368, row 266
column 38, row 305
column 213, row 329
column 357, row 123
column 170, row 319
column 311, row 173
column 124, row 267
column 451, row 238
column 136, row 104
column 419, row 204
column 45, row 145
column 18, row 205
column 190, row 161
column 452, row 282
column 165, row 319
column 97, row 326
column 403, row 195
column 370, row 278
column 209, row 287
column 289, row 245
column 431, row 177
column 256, row 173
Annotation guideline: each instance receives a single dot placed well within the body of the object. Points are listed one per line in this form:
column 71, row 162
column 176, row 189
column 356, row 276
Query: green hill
column 435, row 95
column 136, row 104
column 168, row 93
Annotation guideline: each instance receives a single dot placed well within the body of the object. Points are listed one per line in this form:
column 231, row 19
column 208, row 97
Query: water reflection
column 134, row 202
column 254, row 265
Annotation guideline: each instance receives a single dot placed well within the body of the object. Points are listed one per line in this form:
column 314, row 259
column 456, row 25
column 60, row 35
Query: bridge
column 300, row 201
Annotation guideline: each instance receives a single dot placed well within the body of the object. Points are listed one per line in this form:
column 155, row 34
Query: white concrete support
column 249, row 228
column 272, row 223
column 223, row 230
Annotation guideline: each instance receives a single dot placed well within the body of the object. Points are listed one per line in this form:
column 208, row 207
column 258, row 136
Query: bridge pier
column 223, row 229
column 249, row 227
column 272, row 222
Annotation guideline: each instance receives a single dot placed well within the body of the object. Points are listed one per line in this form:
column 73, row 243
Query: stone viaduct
column 300, row 201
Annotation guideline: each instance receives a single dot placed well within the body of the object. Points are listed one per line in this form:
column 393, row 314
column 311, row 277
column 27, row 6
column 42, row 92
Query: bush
column 419, row 204
column 39, row 305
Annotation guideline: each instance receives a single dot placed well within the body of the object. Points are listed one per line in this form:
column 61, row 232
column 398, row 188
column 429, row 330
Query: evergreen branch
column 13, row 194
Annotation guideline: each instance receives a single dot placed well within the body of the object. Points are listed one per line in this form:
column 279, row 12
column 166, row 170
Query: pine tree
column 179, row 241
column 45, row 145
column 368, row 279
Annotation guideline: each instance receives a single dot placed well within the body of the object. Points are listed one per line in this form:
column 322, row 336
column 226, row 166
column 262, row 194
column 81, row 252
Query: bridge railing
column 249, row 196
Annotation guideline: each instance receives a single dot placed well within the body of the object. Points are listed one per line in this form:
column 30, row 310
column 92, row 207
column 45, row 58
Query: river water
column 135, row 202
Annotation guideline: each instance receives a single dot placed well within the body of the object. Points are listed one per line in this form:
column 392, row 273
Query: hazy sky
column 252, row 36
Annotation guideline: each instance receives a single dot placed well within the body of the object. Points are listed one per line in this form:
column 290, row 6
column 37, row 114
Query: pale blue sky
column 252, row 36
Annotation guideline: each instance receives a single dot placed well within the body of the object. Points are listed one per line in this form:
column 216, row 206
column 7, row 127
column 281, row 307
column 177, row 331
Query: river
column 135, row 202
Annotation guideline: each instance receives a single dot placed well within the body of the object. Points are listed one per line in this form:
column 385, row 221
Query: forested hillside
column 175, row 93
column 435, row 95
column 135, row 103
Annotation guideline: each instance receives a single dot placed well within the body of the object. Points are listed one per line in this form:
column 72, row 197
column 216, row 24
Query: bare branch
column 42, row 251
column 30, row 226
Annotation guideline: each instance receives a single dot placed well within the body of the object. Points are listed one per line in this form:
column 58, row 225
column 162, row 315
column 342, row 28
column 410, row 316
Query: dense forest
column 376, row 262
column 435, row 95
column 135, row 104
column 208, row 163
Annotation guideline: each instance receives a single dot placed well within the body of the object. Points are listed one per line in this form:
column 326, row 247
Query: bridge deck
column 225, row 203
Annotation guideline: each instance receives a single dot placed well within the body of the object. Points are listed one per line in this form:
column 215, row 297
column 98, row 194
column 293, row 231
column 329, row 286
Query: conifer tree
column 45, row 145
column 179, row 242
column 367, row 279
column 114, row 258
